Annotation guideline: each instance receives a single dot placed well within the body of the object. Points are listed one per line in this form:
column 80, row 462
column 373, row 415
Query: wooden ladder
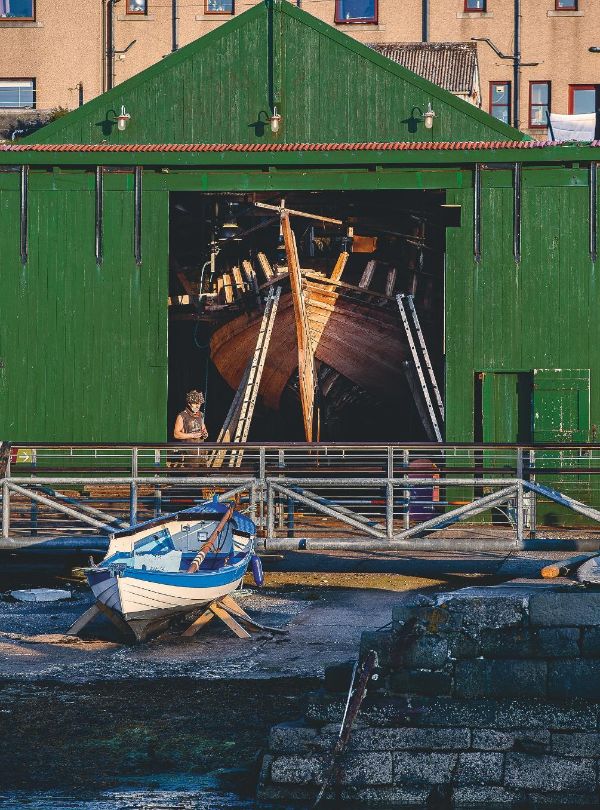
column 237, row 422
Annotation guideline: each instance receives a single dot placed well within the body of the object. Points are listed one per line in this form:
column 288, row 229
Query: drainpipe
column 174, row 44
column 110, row 44
column 517, row 65
column 424, row 20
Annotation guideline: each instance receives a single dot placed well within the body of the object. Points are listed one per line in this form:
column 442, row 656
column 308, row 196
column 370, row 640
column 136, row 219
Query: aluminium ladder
column 400, row 298
column 237, row 423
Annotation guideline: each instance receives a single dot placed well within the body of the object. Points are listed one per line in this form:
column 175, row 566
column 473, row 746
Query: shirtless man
column 189, row 425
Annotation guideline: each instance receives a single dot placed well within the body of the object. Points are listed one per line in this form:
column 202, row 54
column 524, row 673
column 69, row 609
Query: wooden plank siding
column 83, row 347
column 539, row 313
column 331, row 88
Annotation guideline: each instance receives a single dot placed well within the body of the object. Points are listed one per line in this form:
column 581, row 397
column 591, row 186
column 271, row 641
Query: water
column 158, row 792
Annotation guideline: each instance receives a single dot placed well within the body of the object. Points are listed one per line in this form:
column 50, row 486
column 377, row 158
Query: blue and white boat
column 145, row 575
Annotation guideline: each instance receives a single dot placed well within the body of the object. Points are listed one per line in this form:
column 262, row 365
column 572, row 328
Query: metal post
column 520, row 462
column 533, row 496
column 389, row 494
column 261, row 487
column 520, row 513
column 133, row 488
column 5, row 509
column 253, row 502
column 270, row 511
column 406, row 492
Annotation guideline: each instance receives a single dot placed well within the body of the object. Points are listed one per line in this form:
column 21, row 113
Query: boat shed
column 86, row 230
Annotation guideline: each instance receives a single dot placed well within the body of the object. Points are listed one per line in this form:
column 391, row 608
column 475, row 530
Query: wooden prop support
column 230, row 613
column 306, row 362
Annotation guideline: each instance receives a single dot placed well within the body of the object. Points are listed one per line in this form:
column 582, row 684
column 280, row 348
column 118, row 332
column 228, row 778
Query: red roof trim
column 444, row 146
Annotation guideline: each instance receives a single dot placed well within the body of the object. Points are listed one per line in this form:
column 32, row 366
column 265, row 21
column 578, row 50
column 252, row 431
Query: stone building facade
column 55, row 54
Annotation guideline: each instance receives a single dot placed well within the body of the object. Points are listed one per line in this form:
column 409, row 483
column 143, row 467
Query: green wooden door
column 561, row 405
column 505, row 407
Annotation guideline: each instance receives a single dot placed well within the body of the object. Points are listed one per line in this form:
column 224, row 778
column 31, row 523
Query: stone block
column 485, row 608
column 480, row 768
column 290, row 738
column 386, row 797
column 423, row 769
column 554, row 800
column 555, row 609
column 570, row 680
column 414, row 607
column 539, row 714
column 361, row 768
column 532, row 740
column 421, row 682
column 549, row 773
column 590, row 642
column 503, row 678
column 427, row 652
column 402, row 739
column 288, row 795
column 557, row 642
column 477, row 796
column 576, row 744
column 463, row 645
column 298, row 770
column 507, row 642
column 381, row 642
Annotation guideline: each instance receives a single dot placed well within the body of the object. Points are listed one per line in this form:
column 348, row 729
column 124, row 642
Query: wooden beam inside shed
column 306, row 362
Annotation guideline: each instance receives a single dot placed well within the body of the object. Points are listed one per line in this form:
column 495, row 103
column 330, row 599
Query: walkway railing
column 358, row 495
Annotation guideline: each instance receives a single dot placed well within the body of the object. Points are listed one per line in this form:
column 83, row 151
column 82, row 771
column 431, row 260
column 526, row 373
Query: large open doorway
column 226, row 252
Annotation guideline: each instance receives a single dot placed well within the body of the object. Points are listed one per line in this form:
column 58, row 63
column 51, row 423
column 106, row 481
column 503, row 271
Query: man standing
column 189, row 425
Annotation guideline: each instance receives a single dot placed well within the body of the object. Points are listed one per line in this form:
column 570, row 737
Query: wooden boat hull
column 363, row 342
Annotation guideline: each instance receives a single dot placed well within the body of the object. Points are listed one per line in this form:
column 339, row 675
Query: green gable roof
column 328, row 87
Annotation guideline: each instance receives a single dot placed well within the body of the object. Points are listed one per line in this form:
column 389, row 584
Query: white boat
column 145, row 577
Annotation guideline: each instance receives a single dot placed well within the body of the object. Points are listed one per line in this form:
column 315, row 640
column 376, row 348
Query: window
column 475, row 5
column 16, row 94
column 17, row 9
column 500, row 101
column 137, row 6
column 218, row 7
column 582, row 98
column 539, row 104
column 356, row 11
column 566, row 5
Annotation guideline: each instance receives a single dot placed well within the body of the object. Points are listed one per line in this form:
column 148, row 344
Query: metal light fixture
column 122, row 119
column 275, row 121
column 428, row 117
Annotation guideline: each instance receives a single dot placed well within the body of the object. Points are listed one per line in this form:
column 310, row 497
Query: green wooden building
column 84, row 230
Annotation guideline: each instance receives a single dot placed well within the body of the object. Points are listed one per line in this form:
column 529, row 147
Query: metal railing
column 319, row 495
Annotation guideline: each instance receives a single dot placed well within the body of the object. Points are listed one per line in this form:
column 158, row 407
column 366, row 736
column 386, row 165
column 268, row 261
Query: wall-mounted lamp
column 275, row 121
column 428, row 117
column 122, row 119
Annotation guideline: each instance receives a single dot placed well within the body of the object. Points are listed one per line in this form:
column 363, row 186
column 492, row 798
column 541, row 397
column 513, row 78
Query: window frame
column 572, row 88
column 548, row 83
column 21, row 79
column 573, row 6
column 342, row 21
column 220, row 13
column 143, row 13
column 21, row 19
column 509, row 105
column 468, row 10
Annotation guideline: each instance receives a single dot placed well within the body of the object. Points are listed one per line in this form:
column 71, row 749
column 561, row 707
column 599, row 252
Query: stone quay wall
column 485, row 697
